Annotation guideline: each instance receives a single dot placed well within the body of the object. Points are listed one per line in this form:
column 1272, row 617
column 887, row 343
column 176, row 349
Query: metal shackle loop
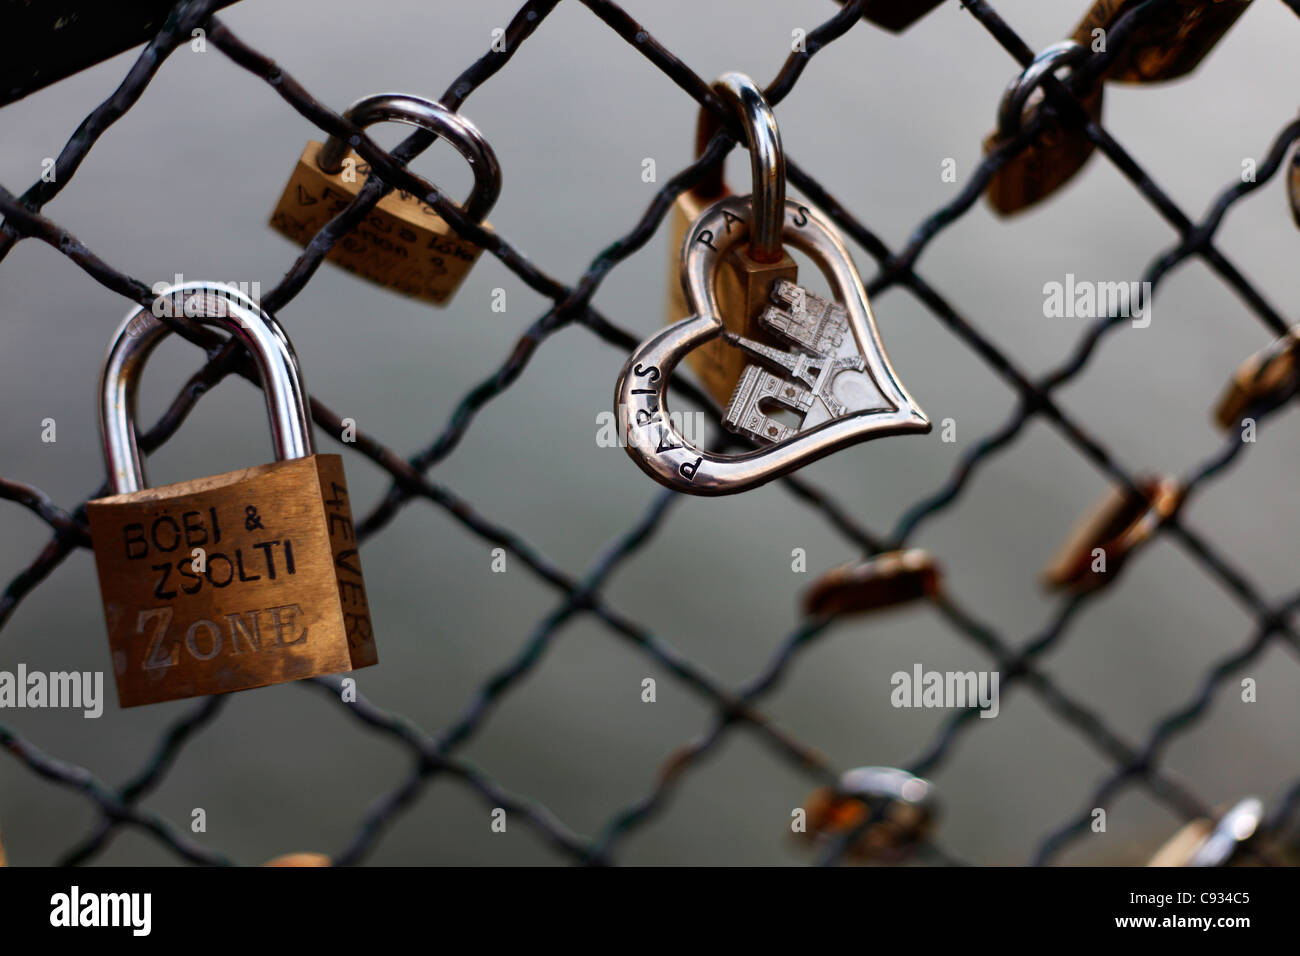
column 435, row 118
column 205, row 303
column 888, row 783
column 766, row 161
column 1058, row 55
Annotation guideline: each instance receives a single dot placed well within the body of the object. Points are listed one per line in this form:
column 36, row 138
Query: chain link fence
column 1135, row 763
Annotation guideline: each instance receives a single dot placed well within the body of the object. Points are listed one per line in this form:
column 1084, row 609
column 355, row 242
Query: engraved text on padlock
column 403, row 243
column 237, row 580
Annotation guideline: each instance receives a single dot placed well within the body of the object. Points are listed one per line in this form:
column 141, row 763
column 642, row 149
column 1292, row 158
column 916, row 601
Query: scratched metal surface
column 522, row 689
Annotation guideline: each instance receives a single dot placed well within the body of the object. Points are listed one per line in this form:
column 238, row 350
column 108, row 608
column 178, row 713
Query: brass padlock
column 896, row 15
column 1268, row 377
column 907, row 812
column 744, row 284
column 1165, row 45
column 403, row 244
column 299, row 860
column 1204, row 842
column 238, row 580
column 882, row 581
column 1058, row 151
column 1117, row 526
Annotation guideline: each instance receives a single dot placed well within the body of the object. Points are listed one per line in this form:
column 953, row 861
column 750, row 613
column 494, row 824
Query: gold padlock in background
column 1058, row 151
column 882, row 581
column 237, row 580
column 1270, row 375
column 299, row 860
column 908, row 813
column 402, row 244
column 744, row 287
column 1116, row 526
column 1165, row 45
column 1204, row 842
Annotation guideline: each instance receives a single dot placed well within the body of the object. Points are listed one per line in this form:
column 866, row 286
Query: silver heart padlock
column 831, row 375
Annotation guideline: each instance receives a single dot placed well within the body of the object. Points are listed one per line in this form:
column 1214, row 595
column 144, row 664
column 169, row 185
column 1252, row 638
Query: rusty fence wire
column 1133, row 762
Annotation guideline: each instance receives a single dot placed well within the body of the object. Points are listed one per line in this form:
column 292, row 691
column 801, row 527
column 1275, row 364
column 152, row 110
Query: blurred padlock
column 1182, row 846
column 402, row 244
column 745, row 282
column 904, row 803
column 237, row 580
column 1212, row 842
column 1058, row 151
column 883, row 580
column 300, row 859
column 1107, row 536
column 896, row 15
column 1267, row 377
column 1168, row 43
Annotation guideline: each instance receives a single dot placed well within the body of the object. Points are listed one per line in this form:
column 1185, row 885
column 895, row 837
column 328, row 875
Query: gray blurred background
column 185, row 184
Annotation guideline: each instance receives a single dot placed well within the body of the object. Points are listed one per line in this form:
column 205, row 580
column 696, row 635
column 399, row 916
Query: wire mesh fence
column 1135, row 763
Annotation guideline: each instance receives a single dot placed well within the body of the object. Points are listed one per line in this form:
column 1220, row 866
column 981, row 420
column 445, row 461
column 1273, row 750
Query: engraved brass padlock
column 749, row 271
column 1058, row 151
column 403, row 244
column 1164, row 45
column 238, row 580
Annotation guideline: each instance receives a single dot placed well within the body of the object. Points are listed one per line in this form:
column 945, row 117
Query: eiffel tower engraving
column 801, row 379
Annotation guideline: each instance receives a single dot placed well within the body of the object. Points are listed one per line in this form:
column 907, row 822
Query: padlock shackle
column 766, row 161
column 205, row 303
column 888, row 783
column 1011, row 109
column 1237, row 825
column 435, row 118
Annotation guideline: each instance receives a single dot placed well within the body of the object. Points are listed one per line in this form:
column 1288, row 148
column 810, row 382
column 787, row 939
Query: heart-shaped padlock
column 832, row 374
